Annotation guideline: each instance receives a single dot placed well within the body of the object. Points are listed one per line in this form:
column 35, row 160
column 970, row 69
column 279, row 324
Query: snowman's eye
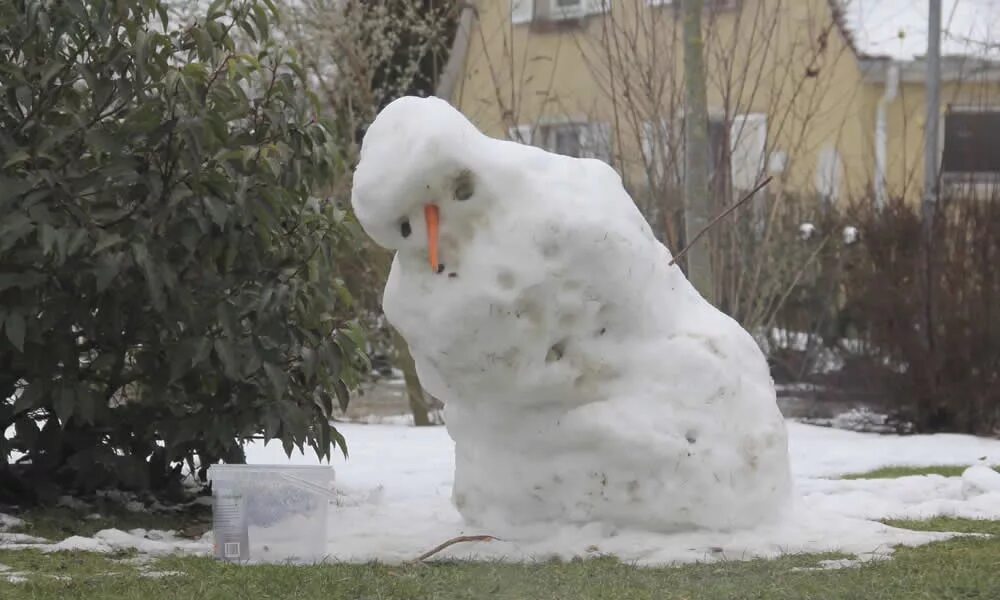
column 404, row 228
column 464, row 186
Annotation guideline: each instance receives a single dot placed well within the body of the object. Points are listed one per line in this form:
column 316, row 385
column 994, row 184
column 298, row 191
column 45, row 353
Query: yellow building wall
column 784, row 58
column 907, row 119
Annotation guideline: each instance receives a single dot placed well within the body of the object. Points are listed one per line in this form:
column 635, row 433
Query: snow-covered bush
column 168, row 284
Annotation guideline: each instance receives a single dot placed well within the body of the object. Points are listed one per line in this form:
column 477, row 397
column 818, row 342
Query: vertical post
column 925, row 276
column 931, row 152
column 696, row 155
column 453, row 68
column 931, row 161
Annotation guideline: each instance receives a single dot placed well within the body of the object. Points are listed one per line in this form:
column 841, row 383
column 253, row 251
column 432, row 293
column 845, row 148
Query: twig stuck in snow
column 749, row 195
column 452, row 541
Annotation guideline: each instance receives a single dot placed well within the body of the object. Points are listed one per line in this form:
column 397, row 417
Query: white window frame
column 716, row 5
column 747, row 135
column 563, row 13
column 522, row 134
column 524, row 11
column 656, row 146
column 829, row 174
column 594, row 138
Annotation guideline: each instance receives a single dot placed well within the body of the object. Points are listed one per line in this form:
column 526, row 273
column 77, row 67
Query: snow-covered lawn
column 396, row 487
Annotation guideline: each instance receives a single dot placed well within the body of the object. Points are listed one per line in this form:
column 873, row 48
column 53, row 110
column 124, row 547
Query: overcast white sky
column 898, row 28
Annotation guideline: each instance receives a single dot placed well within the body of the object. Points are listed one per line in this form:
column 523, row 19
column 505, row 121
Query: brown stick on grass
column 749, row 195
column 453, row 541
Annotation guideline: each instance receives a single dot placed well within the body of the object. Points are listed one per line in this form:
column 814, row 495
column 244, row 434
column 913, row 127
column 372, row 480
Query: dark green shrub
column 168, row 286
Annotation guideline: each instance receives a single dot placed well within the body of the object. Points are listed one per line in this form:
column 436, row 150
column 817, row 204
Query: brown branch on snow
column 453, row 541
column 749, row 195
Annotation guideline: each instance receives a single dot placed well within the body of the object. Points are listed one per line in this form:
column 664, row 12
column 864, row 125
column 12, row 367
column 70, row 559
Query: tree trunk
column 696, row 156
column 403, row 358
column 414, row 391
column 455, row 65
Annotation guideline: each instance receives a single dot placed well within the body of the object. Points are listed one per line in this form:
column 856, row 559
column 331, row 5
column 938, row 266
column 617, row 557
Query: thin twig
column 452, row 541
column 704, row 229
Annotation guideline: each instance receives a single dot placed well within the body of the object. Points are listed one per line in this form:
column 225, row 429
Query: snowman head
column 415, row 185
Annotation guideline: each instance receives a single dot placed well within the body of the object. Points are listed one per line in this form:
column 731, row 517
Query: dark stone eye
column 464, row 186
column 405, row 229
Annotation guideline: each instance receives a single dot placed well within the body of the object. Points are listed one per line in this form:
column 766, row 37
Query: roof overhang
column 953, row 68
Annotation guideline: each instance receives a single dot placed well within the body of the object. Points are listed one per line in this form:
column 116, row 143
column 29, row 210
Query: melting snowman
column 584, row 379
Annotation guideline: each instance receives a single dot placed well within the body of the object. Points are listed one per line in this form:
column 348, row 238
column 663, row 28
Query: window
column 748, row 148
column 737, row 150
column 576, row 139
column 656, row 148
column 566, row 140
column 713, row 5
column 829, row 170
column 521, row 11
column 970, row 142
column 718, row 151
column 542, row 11
column 558, row 10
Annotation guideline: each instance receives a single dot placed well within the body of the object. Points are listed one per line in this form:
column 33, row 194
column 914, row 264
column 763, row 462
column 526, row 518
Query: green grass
column 966, row 567
column 59, row 522
column 950, row 524
column 960, row 568
column 894, row 472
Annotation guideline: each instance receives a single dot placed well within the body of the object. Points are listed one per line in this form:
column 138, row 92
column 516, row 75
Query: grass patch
column 894, row 472
column 58, row 523
column 949, row 524
column 958, row 568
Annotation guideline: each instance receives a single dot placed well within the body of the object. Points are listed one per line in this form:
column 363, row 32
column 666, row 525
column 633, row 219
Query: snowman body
column 584, row 379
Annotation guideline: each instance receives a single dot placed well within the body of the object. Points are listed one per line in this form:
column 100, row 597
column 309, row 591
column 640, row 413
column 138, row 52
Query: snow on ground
column 150, row 542
column 402, row 476
column 9, row 522
column 396, row 502
column 826, row 452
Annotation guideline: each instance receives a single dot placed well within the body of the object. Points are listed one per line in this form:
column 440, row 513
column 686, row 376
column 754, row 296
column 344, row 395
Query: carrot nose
column 433, row 216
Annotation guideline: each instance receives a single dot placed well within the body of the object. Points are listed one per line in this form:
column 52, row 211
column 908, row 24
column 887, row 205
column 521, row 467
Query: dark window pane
column 971, row 142
column 568, row 141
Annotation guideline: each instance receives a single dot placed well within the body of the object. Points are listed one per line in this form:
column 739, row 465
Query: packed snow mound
column 9, row 522
column 149, row 542
column 980, row 479
column 585, row 380
column 397, row 483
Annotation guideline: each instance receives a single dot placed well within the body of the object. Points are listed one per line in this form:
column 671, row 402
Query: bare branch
column 455, row 540
column 697, row 236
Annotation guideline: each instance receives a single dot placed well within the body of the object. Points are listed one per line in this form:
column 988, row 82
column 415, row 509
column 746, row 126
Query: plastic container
column 270, row 513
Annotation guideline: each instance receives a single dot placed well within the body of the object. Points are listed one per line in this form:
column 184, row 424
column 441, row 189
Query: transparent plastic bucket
column 270, row 513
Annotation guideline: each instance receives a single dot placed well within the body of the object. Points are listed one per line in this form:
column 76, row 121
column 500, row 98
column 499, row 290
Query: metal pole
column 931, row 152
column 931, row 163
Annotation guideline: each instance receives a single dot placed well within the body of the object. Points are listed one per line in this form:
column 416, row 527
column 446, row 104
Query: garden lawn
column 965, row 567
column 958, row 568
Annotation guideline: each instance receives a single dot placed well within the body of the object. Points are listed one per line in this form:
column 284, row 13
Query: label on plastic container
column 232, row 534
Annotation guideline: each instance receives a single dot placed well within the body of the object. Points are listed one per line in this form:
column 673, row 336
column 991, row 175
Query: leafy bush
column 167, row 279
